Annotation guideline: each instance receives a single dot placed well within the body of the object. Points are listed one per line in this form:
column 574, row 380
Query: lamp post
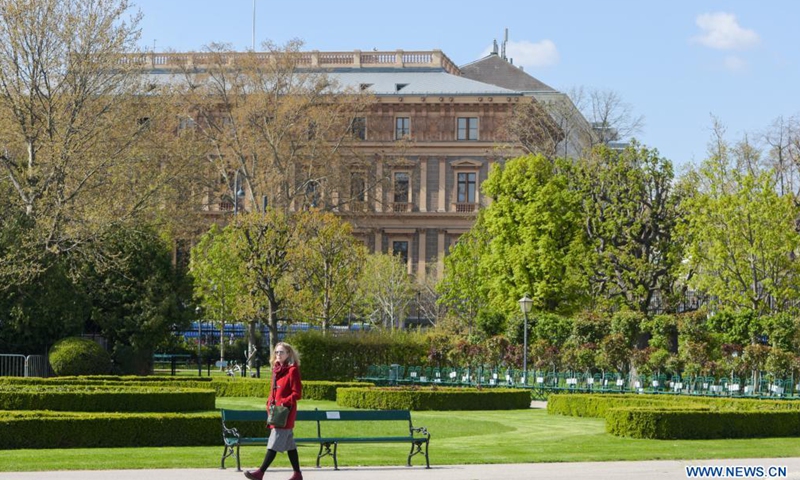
column 525, row 305
column 238, row 193
column 197, row 312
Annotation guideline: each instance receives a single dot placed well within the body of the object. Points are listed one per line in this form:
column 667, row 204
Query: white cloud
column 528, row 54
column 735, row 63
column 722, row 31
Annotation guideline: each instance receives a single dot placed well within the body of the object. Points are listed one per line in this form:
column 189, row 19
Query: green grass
column 516, row 436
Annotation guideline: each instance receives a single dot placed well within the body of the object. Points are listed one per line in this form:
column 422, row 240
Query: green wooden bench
column 416, row 436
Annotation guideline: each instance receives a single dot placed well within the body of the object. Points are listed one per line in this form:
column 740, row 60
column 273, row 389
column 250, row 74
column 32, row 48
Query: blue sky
column 676, row 63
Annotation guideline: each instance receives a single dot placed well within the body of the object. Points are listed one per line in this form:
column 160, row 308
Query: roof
column 496, row 71
column 416, row 83
column 393, row 82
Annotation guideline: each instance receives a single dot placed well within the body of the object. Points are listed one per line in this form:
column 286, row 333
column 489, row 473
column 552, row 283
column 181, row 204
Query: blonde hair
column 292, row 355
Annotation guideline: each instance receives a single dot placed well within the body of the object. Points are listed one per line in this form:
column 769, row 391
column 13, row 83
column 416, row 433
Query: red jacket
column 290, row 390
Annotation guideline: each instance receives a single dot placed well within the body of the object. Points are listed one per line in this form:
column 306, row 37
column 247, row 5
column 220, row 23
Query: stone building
column 434, row 130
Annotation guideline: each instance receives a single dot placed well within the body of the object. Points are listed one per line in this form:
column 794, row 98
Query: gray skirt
column 281, row 440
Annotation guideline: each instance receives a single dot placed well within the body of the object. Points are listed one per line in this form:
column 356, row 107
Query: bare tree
column 611, row 118
column 285, row 133
column 81, row 137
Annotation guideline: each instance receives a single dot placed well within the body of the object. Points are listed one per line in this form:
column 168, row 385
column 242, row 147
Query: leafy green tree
column 741, row 237
column 458, row 291
column 629, row 218
column 140, row 298
column 737, row 328
column 327, row 262
column 218, row 273
column 533, row 231
column 265, row 241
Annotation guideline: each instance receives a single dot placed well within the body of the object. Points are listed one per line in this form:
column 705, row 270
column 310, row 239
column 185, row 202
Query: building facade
column 434, row 134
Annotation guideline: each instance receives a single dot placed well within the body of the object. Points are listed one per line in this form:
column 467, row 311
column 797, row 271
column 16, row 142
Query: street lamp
column 197, row 312
column 525, row 305
column 238, row 193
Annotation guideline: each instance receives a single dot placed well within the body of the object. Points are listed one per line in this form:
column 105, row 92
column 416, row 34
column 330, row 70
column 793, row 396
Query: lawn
column 516, row 436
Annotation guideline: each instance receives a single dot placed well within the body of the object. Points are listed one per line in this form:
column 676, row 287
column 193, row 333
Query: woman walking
column 286, row 391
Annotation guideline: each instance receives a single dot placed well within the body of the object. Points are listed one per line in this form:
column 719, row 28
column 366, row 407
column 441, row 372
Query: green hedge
column 594, row 405
column 75, row 430
column 93, row 398
column 345, row 357
column 449, row 398
column 224, row 387
column 701, row 423
column 681, row 417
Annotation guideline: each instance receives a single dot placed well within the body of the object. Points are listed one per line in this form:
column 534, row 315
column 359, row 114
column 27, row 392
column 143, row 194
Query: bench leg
column 335, row 460
column 416, row 447
column 327, row 451
column 226, row 452
column 238, row 463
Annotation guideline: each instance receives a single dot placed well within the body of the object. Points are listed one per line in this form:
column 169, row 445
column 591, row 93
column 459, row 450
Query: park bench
column 416, row 436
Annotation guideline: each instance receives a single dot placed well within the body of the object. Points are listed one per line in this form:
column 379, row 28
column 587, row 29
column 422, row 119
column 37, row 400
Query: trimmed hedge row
column 672, row 417
column 95, row 398
column 75, row 430
column 701, row 423
column 102, row 378
column 224, row 387
column 405, row 398
column 593, row 405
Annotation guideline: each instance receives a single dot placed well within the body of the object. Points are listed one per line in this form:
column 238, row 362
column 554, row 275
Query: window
column 400, row 249
column 311, row 130
column 466, row 187
column 186, row 123
column 467, row 128
column 313, row 194
column 401, row 127
column 359, row 128
column 358, row 189
column 401, row 187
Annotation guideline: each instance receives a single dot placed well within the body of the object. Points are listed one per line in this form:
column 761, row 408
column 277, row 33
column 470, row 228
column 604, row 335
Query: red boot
column 296, row 476
column 254, row 474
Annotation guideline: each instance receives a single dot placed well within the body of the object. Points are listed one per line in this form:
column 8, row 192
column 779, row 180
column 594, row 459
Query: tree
column 266, row 240
column 79, row 154
column 741, row 234
column 327, row 262
column 137, row 300
column 458, row 291
column 286, row 132
column 630, row 214
column 217, row 270
column 534, row 231
column 386, row 290
column 612, row 119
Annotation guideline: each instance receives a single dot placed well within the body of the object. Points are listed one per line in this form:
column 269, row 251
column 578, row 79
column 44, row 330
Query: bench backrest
column 319, row 415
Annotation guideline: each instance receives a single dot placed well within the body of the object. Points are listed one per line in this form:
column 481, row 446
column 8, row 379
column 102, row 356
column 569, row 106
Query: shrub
column 448, row 398
column 700, row 423
column 88, row 430
column 96, row 398
column 79, row 356
column 345, row 357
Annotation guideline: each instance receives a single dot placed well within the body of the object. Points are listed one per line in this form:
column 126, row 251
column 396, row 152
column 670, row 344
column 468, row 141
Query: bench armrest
column 230, row 432
column 421, row 430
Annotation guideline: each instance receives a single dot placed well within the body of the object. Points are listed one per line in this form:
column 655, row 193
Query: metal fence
column 24, row 366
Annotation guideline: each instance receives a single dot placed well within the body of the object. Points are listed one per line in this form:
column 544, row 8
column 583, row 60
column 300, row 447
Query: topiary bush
column 79, row 356
column 433, row 398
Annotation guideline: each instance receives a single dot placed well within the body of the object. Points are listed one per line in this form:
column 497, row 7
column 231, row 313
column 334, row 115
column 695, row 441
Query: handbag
column 277, row 415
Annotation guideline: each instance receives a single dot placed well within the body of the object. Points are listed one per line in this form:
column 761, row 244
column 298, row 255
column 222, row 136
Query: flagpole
column 254, row 25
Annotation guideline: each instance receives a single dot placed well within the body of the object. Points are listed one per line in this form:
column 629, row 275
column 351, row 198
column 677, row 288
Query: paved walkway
column 651, row 470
